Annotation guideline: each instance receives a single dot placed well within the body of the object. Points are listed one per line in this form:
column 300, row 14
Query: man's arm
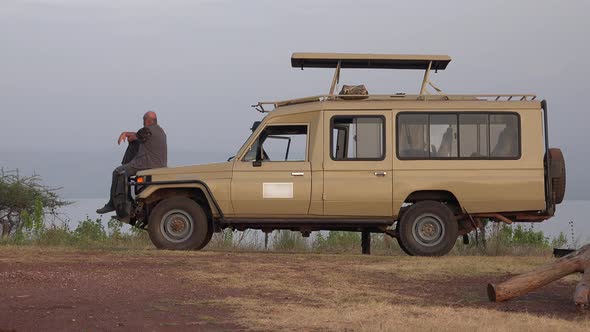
column 127, row 135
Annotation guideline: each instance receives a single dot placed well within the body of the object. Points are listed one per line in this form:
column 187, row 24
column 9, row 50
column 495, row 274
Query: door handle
column 380, row 174
column 297, row 173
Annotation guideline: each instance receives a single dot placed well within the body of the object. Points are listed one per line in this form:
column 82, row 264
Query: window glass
column 357, row 137
column 436, row 135
column 504, row 136
column 443, row 135
column 412, row 135
column 251, row 154
column 280, row 143
column 474, row 135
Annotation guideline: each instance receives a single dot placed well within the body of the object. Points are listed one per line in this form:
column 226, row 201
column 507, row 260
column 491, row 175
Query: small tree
column 25, row 200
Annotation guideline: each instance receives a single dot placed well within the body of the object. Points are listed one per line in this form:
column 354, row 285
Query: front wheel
column 427, row 228
column 178, row 223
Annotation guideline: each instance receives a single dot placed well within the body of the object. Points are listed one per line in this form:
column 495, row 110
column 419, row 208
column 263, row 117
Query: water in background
column 572, row 211
column 575, row 211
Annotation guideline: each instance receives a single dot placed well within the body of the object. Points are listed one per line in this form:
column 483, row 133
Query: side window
column 357, row 138
column 412, row 136
column 443, row 135
column 427, row 135
column 504, row 136
column 280, row 143
column 474, row 135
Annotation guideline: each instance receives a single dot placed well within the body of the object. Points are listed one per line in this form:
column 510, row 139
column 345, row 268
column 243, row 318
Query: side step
column 306, row 225
column 307, row 221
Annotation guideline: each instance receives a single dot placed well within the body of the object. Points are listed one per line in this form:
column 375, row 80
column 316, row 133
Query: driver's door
column 274, row 177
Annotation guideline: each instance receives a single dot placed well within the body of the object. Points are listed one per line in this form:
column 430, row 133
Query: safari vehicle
column 423, row 168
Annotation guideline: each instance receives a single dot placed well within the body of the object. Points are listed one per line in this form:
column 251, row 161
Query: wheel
column 179, row 223
column 207, row 238
column 401, row 245
column 557, row 174
column 428, row 228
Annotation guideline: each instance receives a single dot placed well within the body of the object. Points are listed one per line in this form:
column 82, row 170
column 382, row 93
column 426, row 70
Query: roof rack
column 382, row 61
column 462, row 97
column 507, row 97
column 373, row 61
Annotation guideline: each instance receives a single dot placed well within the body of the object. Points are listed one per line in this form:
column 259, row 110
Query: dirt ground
column 66, row 290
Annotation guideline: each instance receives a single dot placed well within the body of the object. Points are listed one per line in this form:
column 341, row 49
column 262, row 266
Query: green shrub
column 384, row 244
column 222, row 240
column 337, row 241
column 55, row 235
column 560, row 241
column 32, row 224
column 114, row 227
column 514, row 240
column 22, row 203
column 286, row 240
column 90, row 231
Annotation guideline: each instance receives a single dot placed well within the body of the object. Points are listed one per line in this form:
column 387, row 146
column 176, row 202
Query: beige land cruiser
column 423, row 168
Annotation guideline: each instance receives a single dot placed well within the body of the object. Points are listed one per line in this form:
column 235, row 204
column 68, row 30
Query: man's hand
column 129, row 136
column 122, row 137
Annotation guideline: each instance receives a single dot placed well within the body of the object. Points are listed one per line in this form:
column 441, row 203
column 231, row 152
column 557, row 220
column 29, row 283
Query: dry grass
column 267, row 291
column 359, row 293
column 384, row 316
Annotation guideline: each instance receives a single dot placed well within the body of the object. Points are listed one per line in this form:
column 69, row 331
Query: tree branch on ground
column 576, row 262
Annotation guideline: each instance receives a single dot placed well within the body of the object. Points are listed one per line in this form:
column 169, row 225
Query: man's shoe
column 105, row 209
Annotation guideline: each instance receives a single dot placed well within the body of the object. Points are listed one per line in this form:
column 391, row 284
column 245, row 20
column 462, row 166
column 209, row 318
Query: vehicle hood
column 216, row 170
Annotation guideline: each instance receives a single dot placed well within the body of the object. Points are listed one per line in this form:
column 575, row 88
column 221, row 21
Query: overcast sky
column 75, row 73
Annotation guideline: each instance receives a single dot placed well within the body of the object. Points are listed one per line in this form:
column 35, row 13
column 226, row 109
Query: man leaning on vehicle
column 147, row 149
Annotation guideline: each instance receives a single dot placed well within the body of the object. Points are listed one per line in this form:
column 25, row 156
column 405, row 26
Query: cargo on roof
column 376, row 61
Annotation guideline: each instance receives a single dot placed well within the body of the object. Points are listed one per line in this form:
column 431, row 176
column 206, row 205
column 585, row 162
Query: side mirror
column 255, row 125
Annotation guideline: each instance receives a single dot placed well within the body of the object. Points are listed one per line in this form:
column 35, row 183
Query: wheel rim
column 428, row 230
column 177, row 226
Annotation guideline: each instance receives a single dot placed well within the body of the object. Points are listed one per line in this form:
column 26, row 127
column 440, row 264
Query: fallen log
column 578, row 261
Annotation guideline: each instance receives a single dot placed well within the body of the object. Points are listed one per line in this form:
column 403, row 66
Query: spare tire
column 557, row 163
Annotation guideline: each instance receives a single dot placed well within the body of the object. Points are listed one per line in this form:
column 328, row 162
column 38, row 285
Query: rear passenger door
column 358, row 163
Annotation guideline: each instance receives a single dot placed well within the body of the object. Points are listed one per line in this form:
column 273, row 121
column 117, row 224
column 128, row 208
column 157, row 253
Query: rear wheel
column 208, row 238
column 179, row 223
column 427, row 228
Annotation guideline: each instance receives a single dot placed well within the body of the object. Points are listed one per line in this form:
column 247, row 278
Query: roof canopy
column 377, row 61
